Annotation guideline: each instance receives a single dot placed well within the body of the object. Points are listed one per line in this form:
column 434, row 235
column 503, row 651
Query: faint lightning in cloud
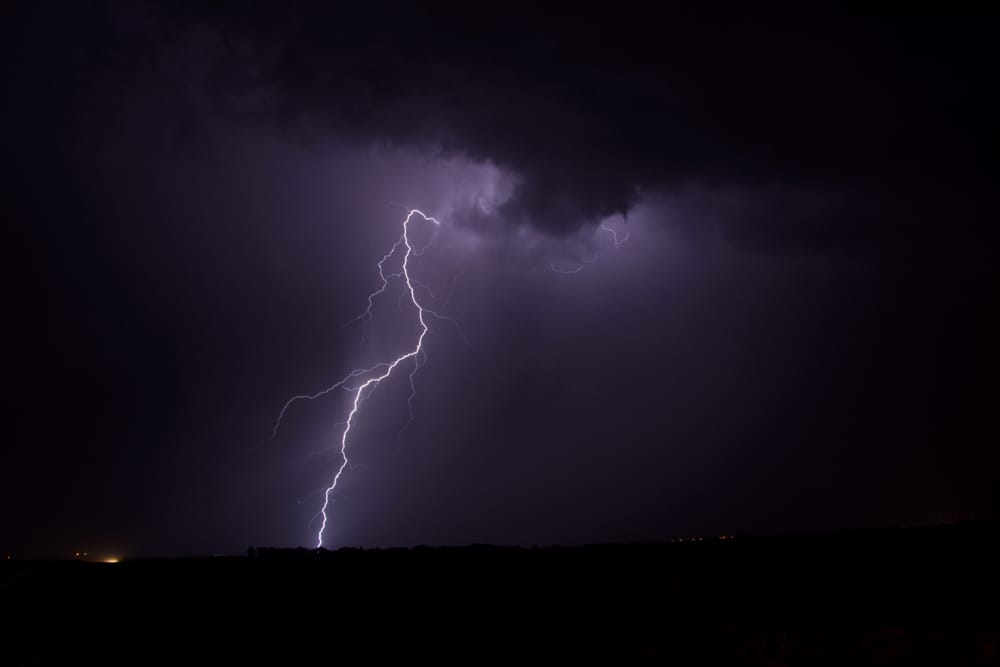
column 559, row 269
column 570, row 270
column 614, row 235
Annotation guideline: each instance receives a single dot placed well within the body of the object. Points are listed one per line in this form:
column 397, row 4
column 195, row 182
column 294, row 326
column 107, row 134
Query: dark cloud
column 888, row 119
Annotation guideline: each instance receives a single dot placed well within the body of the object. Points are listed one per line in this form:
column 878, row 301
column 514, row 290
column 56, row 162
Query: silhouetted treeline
column 901, row 596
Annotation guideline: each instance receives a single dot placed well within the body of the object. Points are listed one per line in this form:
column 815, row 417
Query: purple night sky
column 799, row 333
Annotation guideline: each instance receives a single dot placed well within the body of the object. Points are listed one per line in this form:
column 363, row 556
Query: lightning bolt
column 614, row 235
column 571, row 270
column 381, row 370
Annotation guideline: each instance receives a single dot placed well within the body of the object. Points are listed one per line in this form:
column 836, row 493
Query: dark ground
column 908, row 596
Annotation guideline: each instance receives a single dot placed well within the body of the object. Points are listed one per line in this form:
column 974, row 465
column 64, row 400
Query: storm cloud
column 887, row 122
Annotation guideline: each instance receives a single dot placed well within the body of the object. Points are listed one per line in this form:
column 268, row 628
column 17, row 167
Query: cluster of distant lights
column 108, row 559
column 82, row 555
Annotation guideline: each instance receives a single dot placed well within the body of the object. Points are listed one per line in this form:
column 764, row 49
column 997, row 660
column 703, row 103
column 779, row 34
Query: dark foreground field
column 911, row 596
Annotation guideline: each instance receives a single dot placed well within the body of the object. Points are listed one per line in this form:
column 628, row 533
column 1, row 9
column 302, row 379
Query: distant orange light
column 111, row 560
